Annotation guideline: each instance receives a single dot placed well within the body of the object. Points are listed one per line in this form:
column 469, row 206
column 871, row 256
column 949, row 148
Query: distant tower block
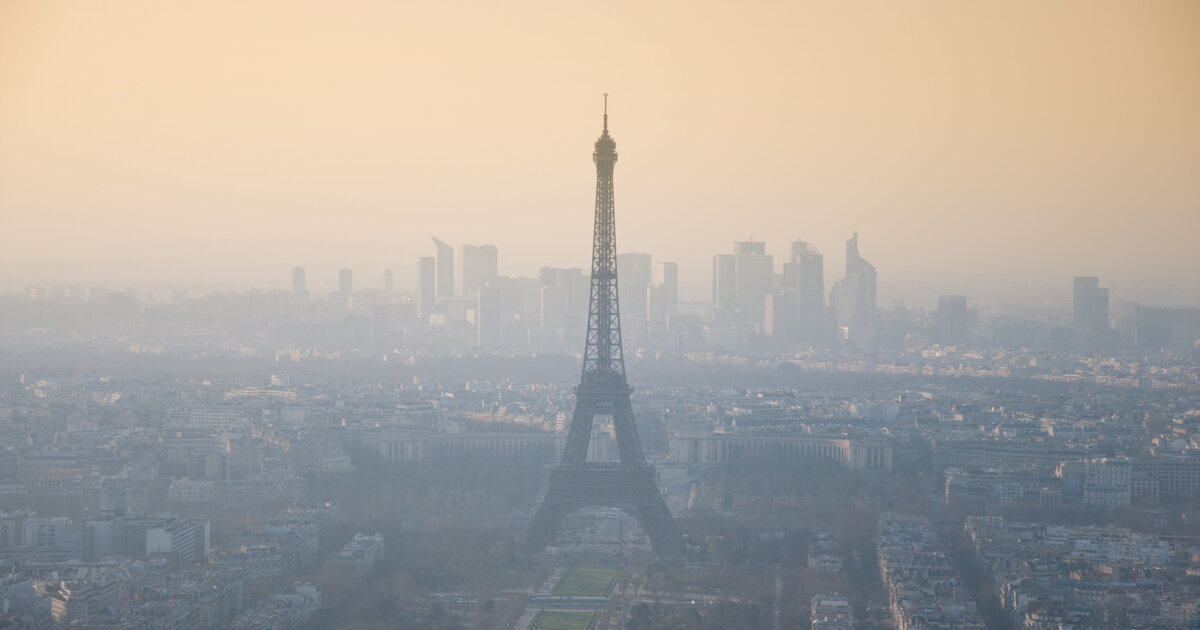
column 603, row 391
column 477, row 266
column 445, row 269
column 299, row 285
column 1090, row 306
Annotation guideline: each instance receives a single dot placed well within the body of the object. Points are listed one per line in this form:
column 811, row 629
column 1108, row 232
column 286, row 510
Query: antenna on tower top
column 606, row 112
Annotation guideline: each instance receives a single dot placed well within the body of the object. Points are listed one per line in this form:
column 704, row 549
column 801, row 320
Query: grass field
column 587, row 582
column 563, row 620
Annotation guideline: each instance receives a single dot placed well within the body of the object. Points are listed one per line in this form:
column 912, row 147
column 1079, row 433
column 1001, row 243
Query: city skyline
column 900, row 328
column 973, row 148
column 327, row 280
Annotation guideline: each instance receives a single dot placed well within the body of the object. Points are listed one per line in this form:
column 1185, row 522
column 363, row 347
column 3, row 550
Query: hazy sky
column 976, row 146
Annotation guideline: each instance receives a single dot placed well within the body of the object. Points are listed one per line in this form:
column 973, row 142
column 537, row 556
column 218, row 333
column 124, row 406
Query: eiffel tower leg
column 629, row 445
column 665, row 537
column 579, row 433
column 545, row 523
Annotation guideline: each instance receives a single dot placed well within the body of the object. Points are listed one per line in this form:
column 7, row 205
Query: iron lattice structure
column 603, row 391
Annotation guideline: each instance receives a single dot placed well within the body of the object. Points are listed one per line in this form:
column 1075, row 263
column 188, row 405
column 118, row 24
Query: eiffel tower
column 603, row 391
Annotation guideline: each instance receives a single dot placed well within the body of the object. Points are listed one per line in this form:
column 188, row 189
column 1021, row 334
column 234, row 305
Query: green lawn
column 564, row 620
column 587, row 582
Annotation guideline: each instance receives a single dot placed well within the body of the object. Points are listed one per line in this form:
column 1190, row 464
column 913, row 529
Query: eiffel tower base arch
column 632, row 491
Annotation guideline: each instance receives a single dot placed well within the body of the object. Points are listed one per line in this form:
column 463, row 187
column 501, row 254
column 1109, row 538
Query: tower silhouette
column 603, row 391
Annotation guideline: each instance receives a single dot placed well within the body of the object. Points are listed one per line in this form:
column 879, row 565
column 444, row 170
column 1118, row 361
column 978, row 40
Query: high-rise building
column 387, row 280
column 299, row 285
column 805, row 274
column 854, row 295
column 753, row 283
column 1090, row 304
column 664, row 292
column 445, row 269
column 478, row 265
column 724, row 287
column 519, row 306
column 634, row 272
column 345, row 282
column 666, row 275
column 749, row 248
column 779, row 315
column 951, row 320
column 570, row 283
column 426, row 286
column 489, row 316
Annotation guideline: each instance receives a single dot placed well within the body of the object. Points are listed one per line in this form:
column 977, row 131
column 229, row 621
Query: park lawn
column 587, row 582
column 565, row 620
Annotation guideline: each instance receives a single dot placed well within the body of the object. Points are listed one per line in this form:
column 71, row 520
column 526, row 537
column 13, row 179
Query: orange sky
column 972, row 144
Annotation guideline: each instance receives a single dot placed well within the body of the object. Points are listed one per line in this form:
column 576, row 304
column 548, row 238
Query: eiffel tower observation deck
column 603, row 391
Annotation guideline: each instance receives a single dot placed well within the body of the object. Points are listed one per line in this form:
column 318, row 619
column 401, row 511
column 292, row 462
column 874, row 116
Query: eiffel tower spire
column 603, row 359
column 603, row 391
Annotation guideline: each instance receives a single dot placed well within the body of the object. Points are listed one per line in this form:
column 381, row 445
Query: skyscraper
column 753, row 283
column 724, row 287
column 345, row 282
column 779, row 315
column 951, row 319
column 854, row 295
column 805, row 274
column 1090, row 305
column 386, row 280
column 445, row 269
column 426, row 286
column 664, row 292
column 635, row 272
column 489, row 317
column 666, row 275
column 478, row 265
column 299, row 284
column 555, row 284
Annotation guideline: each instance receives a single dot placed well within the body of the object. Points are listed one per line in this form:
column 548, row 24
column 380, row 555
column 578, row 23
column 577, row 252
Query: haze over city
column 491, row 316
column 990, row 148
